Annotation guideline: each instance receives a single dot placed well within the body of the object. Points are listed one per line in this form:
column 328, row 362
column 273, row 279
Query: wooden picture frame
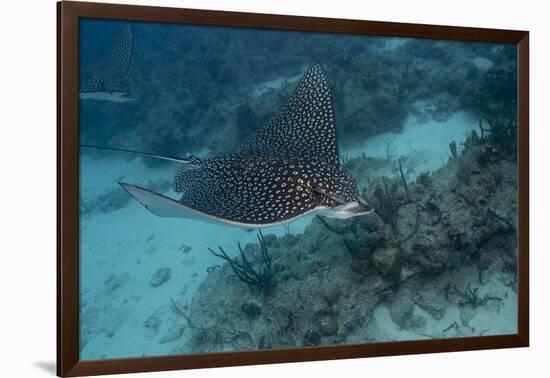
column 69, row 13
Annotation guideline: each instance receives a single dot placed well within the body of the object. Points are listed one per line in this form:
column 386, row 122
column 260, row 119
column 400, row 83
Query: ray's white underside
column 167, row 207
column 105, row 96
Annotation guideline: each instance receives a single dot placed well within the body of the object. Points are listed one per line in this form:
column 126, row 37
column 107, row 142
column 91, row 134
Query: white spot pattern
column 289, row 167
column 109, row 73
column 266, row 200
column 303, row 128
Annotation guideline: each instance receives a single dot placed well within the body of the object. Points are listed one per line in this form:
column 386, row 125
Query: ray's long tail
column 187, row 160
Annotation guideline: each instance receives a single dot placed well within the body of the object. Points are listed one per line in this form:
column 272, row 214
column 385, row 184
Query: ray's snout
column 364, row 204
column 359, row 207
column 355, row 208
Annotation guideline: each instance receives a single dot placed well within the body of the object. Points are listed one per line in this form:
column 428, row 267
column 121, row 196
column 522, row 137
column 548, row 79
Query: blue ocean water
column 426, row 128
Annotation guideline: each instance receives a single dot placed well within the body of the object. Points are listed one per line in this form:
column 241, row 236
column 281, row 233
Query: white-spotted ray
column 289, row 168
column 105, row 79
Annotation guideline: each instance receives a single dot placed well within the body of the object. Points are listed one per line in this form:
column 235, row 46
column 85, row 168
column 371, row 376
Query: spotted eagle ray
column 288, row 169
column 105, row 79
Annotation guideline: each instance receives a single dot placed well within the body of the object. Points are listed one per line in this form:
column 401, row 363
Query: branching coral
column 470, row 296
column 260, row 278
column 500, row 133
column 345, row 161
column 386, row 203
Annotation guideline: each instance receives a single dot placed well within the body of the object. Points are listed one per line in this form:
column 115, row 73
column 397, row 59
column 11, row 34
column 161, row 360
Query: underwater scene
column 245, row 189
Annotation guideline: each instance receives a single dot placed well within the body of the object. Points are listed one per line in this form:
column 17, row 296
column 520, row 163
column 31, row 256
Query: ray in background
column 105, row 78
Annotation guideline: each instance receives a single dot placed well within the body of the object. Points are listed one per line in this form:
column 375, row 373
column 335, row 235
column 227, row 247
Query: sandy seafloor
column 122, row 249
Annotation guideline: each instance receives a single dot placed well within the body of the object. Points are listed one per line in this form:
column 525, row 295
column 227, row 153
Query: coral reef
column 422, row 262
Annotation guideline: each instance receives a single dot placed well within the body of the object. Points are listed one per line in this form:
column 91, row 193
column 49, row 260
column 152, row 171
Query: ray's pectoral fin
column 161, row 205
